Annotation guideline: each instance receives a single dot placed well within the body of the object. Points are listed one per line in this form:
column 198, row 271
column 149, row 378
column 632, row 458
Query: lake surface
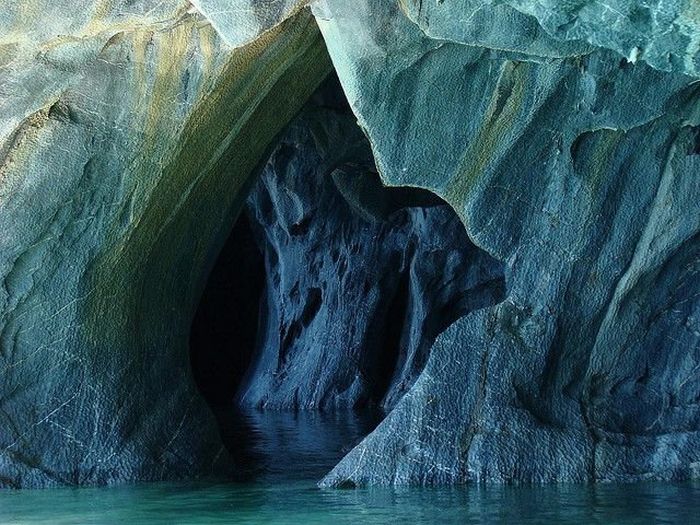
column 301, row 502
column 283, row 455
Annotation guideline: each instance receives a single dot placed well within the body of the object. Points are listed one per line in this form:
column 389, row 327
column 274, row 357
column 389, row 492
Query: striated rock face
column 128, row 132
column 665, row 35
column 580, row 172
column 242, row 21
column 565, row 135
column 360, row 279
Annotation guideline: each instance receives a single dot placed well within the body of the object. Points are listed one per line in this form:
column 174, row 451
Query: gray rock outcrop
column 565, row 135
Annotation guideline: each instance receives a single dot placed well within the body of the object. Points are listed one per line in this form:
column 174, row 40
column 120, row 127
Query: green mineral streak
column 159, row 263
column 506, row 103
column 595, row 166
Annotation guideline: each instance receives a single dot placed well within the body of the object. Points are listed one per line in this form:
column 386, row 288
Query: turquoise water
column 303, row 503
column 283, row 455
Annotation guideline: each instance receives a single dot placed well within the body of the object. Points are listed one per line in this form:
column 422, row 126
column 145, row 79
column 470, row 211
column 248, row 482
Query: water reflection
column 291, row 446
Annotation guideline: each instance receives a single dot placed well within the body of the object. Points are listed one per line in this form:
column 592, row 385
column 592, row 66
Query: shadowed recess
column 329, row 293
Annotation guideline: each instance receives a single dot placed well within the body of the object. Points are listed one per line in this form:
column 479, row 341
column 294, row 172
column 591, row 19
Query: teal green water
column 281, row 456
column 303, row 503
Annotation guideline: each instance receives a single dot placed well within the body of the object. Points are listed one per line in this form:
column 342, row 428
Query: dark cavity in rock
column 331, row 288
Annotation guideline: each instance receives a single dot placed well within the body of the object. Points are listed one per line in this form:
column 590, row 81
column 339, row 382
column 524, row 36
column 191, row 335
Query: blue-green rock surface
column 128, row 134
column 579, row 169
column 565, row 135
column 360, row 278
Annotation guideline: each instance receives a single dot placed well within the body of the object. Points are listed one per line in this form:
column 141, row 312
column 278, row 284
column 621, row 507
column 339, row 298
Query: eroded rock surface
column 128, row 132
column 563, row 134
column 360, row 278
column 581, row 173
column 242, row 21
column 665, row 35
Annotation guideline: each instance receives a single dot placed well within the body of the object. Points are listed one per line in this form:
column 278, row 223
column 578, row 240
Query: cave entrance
column 269, row 445
column 322, row 308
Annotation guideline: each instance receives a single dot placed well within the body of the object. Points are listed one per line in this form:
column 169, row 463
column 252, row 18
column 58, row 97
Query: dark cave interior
column 364, row 289
column 223, row 333
column 224, row 341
